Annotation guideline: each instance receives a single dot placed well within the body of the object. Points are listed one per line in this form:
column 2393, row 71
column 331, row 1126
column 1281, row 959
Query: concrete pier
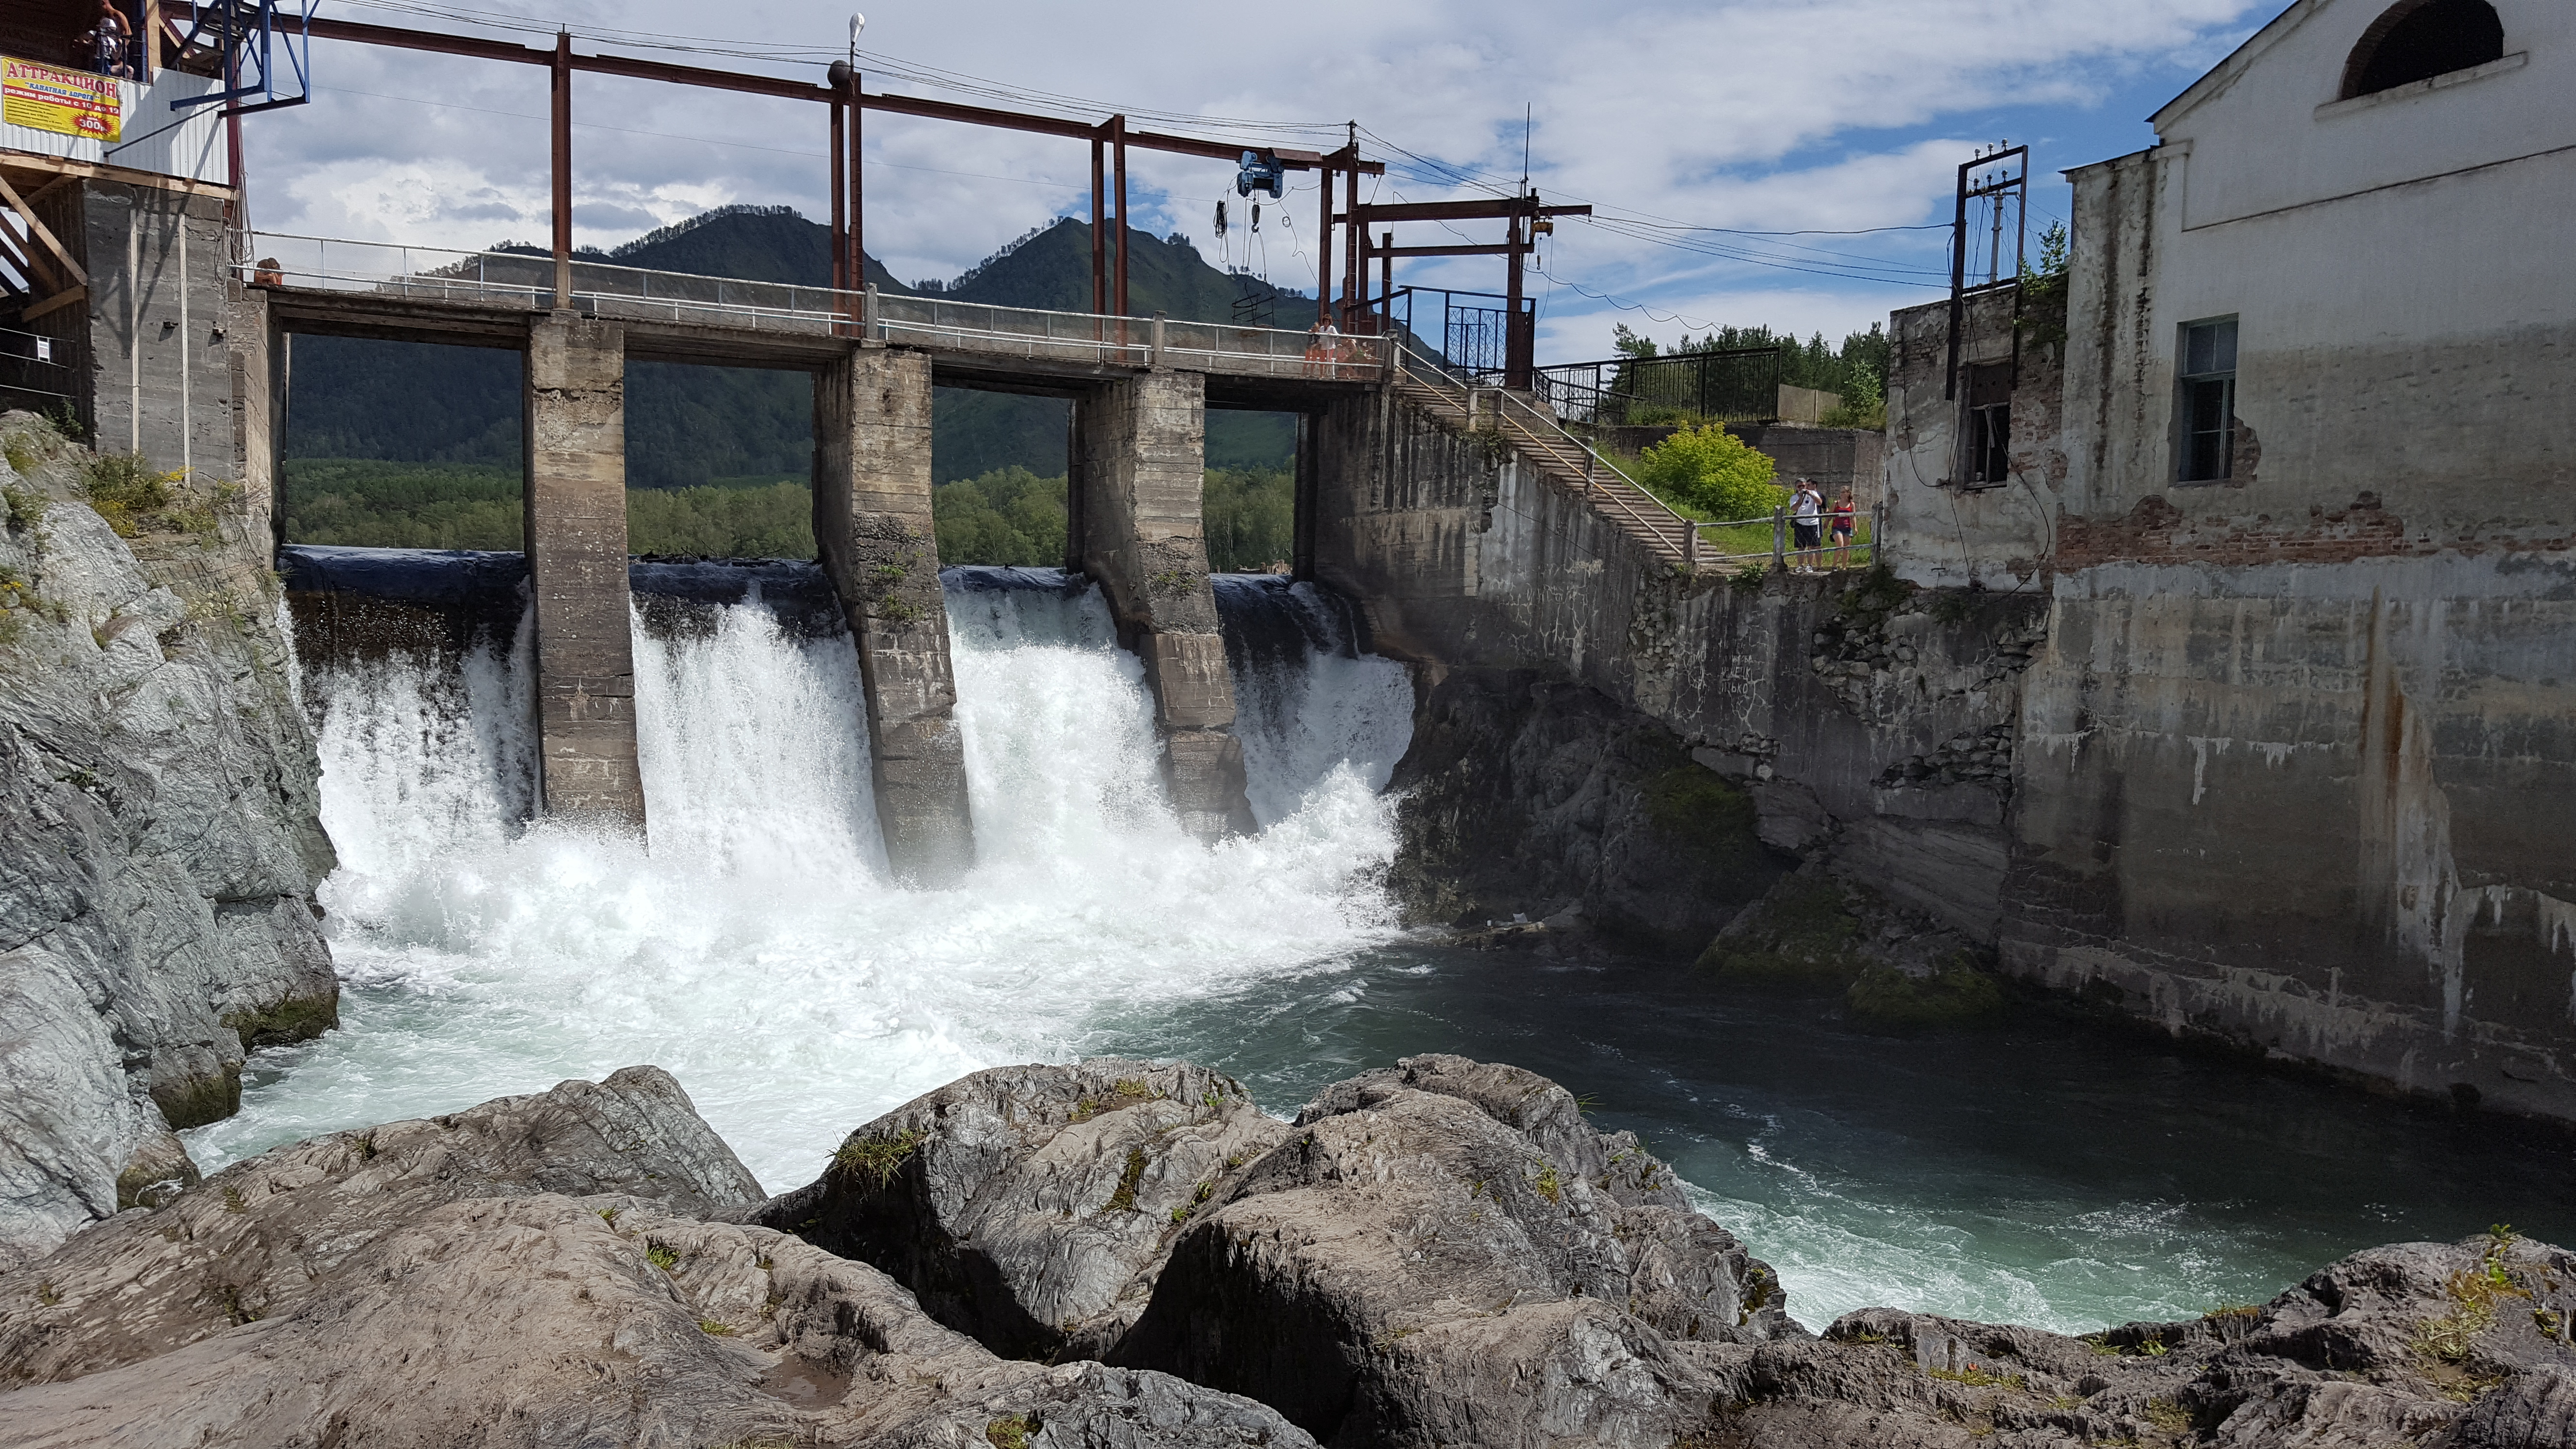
column 872, row 522
column 576, row 543
column 1143, row 465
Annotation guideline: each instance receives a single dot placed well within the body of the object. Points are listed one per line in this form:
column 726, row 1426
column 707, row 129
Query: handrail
column 977, row 326
column 1548, row 436
column 1548, row 441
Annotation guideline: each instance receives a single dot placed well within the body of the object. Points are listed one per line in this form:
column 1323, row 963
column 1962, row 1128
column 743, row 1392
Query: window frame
column 2189, row 385
column 1985, row 425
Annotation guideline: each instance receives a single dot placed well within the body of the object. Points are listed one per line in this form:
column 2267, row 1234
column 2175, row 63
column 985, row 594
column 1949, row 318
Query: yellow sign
column 50, row 98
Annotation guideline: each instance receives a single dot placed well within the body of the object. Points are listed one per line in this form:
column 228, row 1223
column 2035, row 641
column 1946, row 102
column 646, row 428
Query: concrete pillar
column 576, row 535
column 1144, row 474
column 256, row 349
column 872, row 521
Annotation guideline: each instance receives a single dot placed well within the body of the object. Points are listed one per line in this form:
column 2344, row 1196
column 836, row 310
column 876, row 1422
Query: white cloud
column 1764, row 115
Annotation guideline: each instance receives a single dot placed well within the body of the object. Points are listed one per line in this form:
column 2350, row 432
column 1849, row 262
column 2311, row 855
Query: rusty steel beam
column 1493, row 210
column 1118, row 151
column 361, row 33
column 560, row 90
column 1497, row 249
column 1099, row 230
column 840, row 200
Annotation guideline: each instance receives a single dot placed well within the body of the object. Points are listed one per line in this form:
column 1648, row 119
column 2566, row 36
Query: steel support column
column 1118, row 152
column 1099, row 230
column 561, row 76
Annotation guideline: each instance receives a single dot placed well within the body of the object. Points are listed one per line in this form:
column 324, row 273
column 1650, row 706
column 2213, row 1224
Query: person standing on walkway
column 1806, row 516
column 108, row 40
column 1844, row 517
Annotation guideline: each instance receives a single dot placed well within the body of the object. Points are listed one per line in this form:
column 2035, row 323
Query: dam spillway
column 760, row 926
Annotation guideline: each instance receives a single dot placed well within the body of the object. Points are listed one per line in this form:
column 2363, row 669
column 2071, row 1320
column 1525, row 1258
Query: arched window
column 2419, row 39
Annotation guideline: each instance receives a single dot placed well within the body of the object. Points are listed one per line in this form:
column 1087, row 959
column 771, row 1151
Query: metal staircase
column 1556, row 456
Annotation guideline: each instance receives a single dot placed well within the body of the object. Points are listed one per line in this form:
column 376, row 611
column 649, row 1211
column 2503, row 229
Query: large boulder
column 255, row 1240
column 537, row 1270
column 550, row 1320
column 2456, row 1345
column 1031, row 1206
column 159, row 830
column 1445, row 1253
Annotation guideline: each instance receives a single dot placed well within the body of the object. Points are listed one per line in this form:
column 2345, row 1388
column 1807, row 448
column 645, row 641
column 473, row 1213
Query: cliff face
column 159, row 839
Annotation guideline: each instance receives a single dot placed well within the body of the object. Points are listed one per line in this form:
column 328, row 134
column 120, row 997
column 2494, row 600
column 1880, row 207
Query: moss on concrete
column 201, row 1100
column 297, row 1018
column 1805, row 935
column 1957, row 993
column 1698, row 810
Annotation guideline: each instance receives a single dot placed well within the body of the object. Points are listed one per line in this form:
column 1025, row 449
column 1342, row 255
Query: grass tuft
column 1124, row 1199
column 874, row 1161
column 661, row 1255
column 1011, row 1431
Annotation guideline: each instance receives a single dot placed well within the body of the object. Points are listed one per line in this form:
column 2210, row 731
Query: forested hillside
column 699, row 426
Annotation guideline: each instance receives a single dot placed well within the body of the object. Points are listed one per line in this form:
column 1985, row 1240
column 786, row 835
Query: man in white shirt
column 1806, row 516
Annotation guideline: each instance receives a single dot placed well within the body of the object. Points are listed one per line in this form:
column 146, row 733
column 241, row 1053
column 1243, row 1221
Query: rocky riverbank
column 1118, row 1253
column 158, row 804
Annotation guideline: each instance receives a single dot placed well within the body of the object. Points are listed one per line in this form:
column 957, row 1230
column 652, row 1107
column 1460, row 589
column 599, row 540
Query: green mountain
column 692, row 426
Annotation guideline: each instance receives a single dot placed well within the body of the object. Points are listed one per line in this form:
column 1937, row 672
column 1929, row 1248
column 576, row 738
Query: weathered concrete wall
column 256, row 352
column 872, row 520
column 2295, row 757
column 1143, row 462
column 2317, row 808
column 1858, row 719
column 1941, row 531
column 158, row 366
column 576, row 532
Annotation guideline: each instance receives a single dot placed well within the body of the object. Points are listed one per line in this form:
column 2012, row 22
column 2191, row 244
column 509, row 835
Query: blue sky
column 1806, row 116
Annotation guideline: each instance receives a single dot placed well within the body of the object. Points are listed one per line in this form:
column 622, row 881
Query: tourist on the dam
column 1845, row 514
column 1806, row 515
column 107, row 40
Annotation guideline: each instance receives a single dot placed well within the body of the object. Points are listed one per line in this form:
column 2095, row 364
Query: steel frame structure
column 1521, row 214
column 849, row 100
column 1996, row 184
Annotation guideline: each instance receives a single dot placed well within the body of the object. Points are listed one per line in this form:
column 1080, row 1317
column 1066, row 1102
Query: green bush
column 1712, row 471
column 125, row 490
column 1005, row 516
column 1250, row 517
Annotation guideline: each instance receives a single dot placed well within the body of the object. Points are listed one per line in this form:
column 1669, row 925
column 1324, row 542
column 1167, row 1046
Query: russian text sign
column 50, row 98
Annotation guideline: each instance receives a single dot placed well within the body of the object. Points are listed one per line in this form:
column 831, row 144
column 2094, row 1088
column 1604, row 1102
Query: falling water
column 2028, row 1174
column 756, row 948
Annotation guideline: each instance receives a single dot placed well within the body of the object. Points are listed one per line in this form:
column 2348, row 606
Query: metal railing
column 519, row 280
column 1576, row 465
column 1736, row 385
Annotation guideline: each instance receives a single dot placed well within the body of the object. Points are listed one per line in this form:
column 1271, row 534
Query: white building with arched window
column 2297, row 474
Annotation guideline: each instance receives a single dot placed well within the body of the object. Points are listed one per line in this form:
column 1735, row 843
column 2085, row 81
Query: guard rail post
column 1154, row 354
column 868, row 314
column 1779, row 540
column 1591, row 467
column 1690, row 544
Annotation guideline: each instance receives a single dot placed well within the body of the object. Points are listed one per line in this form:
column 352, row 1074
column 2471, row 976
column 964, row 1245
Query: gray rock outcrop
column 1524, row 796
column 436, row 1283
column 255, row 1240
column 159, row 804
column 1031, row 1206
column 2450, row 1345
column 1445, row 1253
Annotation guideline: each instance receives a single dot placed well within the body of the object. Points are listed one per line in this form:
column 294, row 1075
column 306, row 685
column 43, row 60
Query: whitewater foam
column 756, row 948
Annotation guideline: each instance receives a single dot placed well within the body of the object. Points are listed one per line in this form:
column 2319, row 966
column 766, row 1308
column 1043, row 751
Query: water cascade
column 2029, row 1174
column 756, row 949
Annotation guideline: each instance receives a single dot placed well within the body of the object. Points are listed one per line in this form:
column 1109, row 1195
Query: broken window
column 2418, row 39
column 1986, row 432
column 2208, row 374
